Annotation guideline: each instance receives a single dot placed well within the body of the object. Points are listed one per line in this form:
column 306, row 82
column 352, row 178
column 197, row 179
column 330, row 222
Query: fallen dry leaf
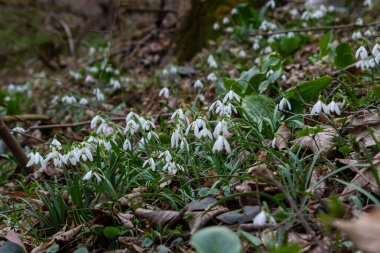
column 124, row 219
column 322, row 141
column 363, row 231
column 246, row 214
column 199, row 219
column 157, row 217
column 67, row 236
column 283, row 135
column 13, row 237
column 360, row 125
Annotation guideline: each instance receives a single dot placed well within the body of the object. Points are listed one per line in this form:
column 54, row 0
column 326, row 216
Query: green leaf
column 258, row 107
column 147, row 242
column 271, row 79
column 81, row 250
column 53, row 249
column 309, row 90
column 10, row 247
column 253, row 240
column 343, row 55
column 216, row 240
column 290, row 248
column 246, row 16
column 376, row 91
column 111, row 232
column 325, row 43
column 233, row 85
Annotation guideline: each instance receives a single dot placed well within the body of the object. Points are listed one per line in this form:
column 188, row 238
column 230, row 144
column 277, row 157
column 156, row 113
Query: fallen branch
column 24, row 117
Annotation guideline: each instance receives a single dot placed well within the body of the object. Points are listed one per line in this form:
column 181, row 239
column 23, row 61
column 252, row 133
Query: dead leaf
column 43, row 247
column 13, row 237
column 201, row 205
column 283, row 135
column 246, row 214
column 199, row 219
column 67, row 236
column 364, row 231
column 322, row 141
column 320, row 190
column 157, row 217
column 360, row 125
column 124, row 219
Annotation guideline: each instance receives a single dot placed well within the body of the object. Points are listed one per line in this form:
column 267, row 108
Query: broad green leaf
column 271, row 79
column 111, row 232
column 325, row 43
column 343, row 55
column 233, row 85
column 376, row 91
column 216, row 240
column 309, row 90
column 246, row 16
column 81, row 250
column 258, row 107
column 53, row 249
column 253, row 240
column 290, row 248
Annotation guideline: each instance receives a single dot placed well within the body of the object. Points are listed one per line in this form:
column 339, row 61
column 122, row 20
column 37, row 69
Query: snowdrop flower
column 261, row 219
column 271, row 4
column 92, row 70
column 57, row 158
column 242, row 54
column 151, row 163
column 268, row 50
column 368, row 3
column 176, row 137
column 212, row 62
column 75, row 75
column 376, row 53
column 359, row 21
column 18, row 130
column 319, row 107
column 89, row 79
column 180, row 116
column 89, row 175
column 270, row 72
column 356, row 35
column 333, row 107
column 131, row 127
column 196, row 126
column 212, row 77
column 229, row 30
column 284, row 102
column 83, row 101
column 127, row 145
column 171, row 168
column 204, row 133
column 267, row 26
column 168, row 156
column 220, row 144
column 94, row 122
column 115, row 84
column 228, row 109
column 221, row 129
column 290, row 34
column 216, row 26
column 173, row 70
column 151, row 135
column 36, row 159
column 362, row 54
column 234, row 11
column 56, row 144
column 217, row 107
column 164, row 92
column 284, row 78
column 198, row 84
column 294, row 12
column 69, row 100
column 256, row 46
column 231, row 95
column 98, row 94
column 165, row 72
column 226, row 21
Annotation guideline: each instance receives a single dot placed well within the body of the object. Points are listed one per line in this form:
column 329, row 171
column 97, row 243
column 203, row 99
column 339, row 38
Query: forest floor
column 268, row 140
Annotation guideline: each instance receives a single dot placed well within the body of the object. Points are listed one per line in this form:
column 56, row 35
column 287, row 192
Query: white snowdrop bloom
column 221, row 144
column 204, row 133
column 271, row 4
column 151, row 163
column 371, row 63
column 91, row 173
column 333, row 107
column 92, row 69
column 69, row 100
column 284, row 102
column 130, row 115
column 268, row 50
column 368, row 33
column 198, row 84
column 267, row 26
column 89, row 79
column 234, row 11
column 75, row 75
column 179, row 115
column 226, row 21
column 173, row 70
column 212, row 62
column 331, row 8
column 165, row 72
column 319, row 107
column 216, row 26
column 196, row 126
column 221, row 129
column 152, row 135
column 260, row 219
column 176, row 137
column 359, row 21
column 361, row 53
column 231, row 95
column 18, row 130
column 83, row 101
column 284, row 78
column 168, row 156
column 98, row 94
column 212, row 77
column 86, row 152
column 108, row 131
column 56, row 156
column 294, row 12
column 115, row 84
column 184, row 144
column 105, row 144
column 127, row 145
column 363, row 64
column 229, row 30
column 91, row 51
column 376, row 53
column 36, row 159
column 368, row 3
column 356, row 35
column 217, row 107
column 256, row 46
column 290, row 34
column 95, row 121
column 164, row 92
column 56, row 144
column 228, row 109
column 148, row 125
column 131, row 127
column 242, row 54
column 269, row 73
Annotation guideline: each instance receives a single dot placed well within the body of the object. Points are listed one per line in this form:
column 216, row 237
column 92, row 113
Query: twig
column 299, row 214
column 68, row 33
column 24, row 117
column 320, row 28
column 14, row 147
